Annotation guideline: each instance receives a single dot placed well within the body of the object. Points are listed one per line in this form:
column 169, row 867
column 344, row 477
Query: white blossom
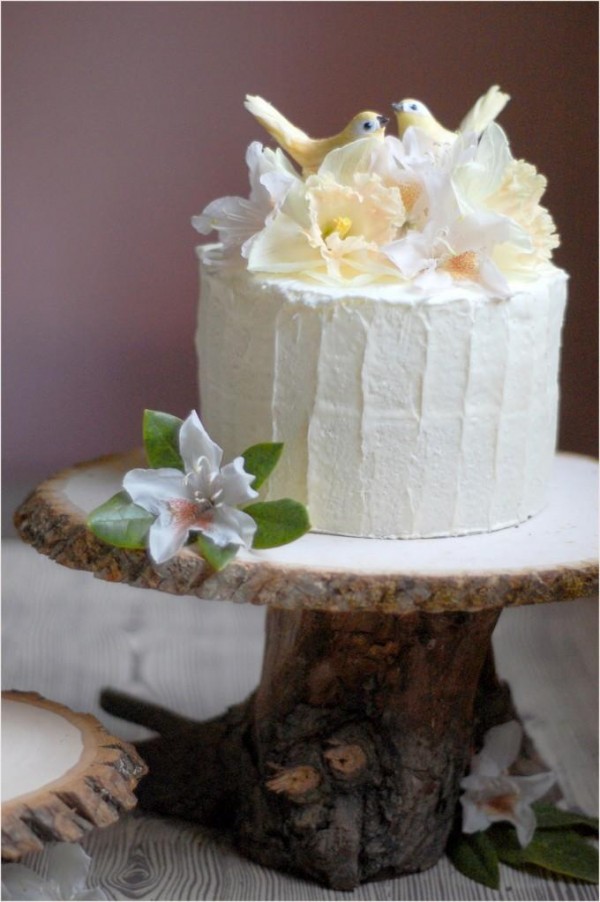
column 492, row 794
column 203, row 498
column 334, row 224
column 68, row 867
column 237, row 219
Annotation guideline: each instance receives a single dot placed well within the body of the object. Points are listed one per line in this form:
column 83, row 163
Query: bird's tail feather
column 485, row 110
column 274, row 121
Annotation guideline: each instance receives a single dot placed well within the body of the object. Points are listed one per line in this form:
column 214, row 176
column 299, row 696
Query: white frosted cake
column 394, row 319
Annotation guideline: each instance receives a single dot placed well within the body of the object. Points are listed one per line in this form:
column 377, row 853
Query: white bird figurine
column 413, row 112
column 310, row 152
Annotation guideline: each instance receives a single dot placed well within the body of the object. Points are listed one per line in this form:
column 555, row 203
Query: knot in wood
column 295, row 781
column 346, row 760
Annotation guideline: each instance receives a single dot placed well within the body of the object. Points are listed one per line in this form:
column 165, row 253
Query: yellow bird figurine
column 413, row 112
column 310, row 152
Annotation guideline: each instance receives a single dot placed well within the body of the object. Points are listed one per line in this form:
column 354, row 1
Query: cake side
column 402, row 416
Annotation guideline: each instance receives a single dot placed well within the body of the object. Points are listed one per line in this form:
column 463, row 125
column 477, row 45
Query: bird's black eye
column 367, row 126
column 414, row 107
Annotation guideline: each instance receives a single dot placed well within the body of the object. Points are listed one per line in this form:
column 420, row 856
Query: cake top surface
column 429, row 210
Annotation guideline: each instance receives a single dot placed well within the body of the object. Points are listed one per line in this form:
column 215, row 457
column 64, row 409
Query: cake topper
column 414, row 113
column 308, row 152
column 430, row 210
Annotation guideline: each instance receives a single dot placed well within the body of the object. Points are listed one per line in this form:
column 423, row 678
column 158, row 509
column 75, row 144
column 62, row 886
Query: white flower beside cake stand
column 378, row 674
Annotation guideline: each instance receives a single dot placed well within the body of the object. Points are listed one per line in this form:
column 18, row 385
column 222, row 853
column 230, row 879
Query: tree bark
column 345, row 763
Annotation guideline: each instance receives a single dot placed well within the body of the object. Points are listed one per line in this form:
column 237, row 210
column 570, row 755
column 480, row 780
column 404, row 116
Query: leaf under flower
column 161, row 439
column 474, row 856
column 560, row 851
column 215, row 556
column 278, row 522
column 260, row 461
column 120, row 522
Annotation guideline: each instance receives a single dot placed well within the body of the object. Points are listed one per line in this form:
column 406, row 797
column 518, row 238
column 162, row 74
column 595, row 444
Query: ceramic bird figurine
column 310, row 152
column 413, row 112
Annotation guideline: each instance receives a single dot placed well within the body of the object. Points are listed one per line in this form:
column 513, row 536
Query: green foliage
column 561, row 851
column 261, row 460
column 550, row 817
column 474, row 855
column 215, row 556
column 161, row 439
column 120, row 522
column 278, row 522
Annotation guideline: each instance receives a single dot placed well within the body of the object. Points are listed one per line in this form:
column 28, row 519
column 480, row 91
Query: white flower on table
column 492, row 795
column 203, row 498
column 68, row 867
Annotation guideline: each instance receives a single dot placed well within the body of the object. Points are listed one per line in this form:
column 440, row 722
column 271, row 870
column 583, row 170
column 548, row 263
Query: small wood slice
column 551, row 557
column 62, row 775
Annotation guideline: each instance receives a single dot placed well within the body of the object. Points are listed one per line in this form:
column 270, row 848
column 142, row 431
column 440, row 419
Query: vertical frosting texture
column 402, row 416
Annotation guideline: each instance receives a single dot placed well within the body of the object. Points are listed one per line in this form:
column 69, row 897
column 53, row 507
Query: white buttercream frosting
column 402, row 415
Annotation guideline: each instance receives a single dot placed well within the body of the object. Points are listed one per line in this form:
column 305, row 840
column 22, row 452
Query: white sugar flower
column 452, row 246
column 237, row 219
column 68, row 867
column 203, row 498
column 335, row 223
column 491, row 794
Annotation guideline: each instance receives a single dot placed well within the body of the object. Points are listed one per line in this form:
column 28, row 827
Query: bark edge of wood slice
column 94, row 793
column 55, row 526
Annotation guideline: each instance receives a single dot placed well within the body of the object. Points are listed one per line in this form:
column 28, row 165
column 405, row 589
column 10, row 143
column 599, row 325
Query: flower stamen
column 341, row 225
column 463, row 266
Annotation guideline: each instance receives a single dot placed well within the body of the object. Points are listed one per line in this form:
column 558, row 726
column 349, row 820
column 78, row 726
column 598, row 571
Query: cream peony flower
column 334, row 225
column 518, row 197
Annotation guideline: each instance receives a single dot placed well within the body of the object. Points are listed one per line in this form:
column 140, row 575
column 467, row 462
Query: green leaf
column 474, row 856
column 278, row 522
column 120, row 522
column 261, row 460
column 550, row 817
column 561, row 851
column 213, row 554
column 161, row 439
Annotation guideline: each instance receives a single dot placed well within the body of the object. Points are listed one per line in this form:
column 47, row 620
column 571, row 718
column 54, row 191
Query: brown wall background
column 121, row 120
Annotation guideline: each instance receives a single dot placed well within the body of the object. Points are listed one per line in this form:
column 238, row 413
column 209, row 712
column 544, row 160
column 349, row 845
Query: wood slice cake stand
column 62, row 774
column 378, row 677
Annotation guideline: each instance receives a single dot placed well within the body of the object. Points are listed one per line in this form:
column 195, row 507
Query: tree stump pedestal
column 378, row 679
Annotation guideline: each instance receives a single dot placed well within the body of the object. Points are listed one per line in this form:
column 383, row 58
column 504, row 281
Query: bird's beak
column 383, row 120
column 397, row 106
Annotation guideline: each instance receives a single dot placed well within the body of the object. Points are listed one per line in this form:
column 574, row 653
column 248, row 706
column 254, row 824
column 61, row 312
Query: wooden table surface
column 65, row 635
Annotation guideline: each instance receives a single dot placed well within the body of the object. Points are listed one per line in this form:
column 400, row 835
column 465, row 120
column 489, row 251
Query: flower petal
column 166, row 538
column 525, row 823
column 195, row 443
column 501, row 745
column 473, row 819
column 151, row 489
column 68, row 865
column 534, row 786
column 230, row 527
column 20, row 882
column 235, row 484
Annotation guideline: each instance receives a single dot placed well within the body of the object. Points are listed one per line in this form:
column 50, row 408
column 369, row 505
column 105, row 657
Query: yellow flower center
column 409, row 192
column 341, row 225
column 502, row 804
column 463, row 266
